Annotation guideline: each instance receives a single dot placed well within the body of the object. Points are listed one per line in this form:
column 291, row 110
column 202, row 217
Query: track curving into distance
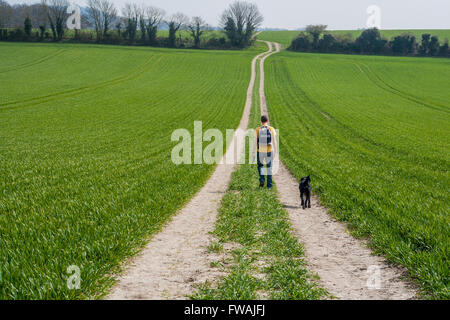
column 177, row 258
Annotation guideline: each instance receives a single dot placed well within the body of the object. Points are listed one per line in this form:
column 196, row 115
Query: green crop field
column 286, row 37
column 86, row 176
column 373, row 132
column 85, row 169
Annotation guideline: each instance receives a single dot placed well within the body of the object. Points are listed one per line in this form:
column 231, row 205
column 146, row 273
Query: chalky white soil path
column 177, row 258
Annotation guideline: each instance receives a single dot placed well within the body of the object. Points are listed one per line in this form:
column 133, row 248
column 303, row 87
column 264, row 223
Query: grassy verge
column 266, row 262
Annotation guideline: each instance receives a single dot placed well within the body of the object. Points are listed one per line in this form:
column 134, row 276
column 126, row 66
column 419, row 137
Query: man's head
column 264, row 120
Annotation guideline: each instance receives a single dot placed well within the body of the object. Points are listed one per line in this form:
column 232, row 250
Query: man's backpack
column 265, row 136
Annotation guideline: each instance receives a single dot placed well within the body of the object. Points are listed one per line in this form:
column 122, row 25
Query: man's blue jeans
column 265, row 159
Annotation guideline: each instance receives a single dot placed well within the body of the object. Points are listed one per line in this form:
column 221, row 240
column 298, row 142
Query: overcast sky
column 337, row 14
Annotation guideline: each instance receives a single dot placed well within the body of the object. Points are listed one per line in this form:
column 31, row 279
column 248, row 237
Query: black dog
column 305, row 191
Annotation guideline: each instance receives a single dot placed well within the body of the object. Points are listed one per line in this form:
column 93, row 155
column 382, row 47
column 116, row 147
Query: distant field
column 286, row 37
column 186, row 34
column 374, row 134
column 85, row 168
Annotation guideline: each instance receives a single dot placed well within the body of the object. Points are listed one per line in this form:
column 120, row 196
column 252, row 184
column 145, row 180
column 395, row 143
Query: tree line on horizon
column 315, row 38
column 135, row 24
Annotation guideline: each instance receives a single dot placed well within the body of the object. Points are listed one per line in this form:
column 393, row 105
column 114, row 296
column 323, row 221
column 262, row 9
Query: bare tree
column 57, row 16
column 131, row 20
column 197, row 26
column 109, row 13
column 20, row 12
column 154, row 17
column 86, row 22
column 14, row 16
column 240, row 21
column 95, row 16
column 119, row 25
column 102, row 13
column 140, row 14
column 175, row 23
column 5, row 14
column 41, row 19
column 253, row 21
column 34, row 12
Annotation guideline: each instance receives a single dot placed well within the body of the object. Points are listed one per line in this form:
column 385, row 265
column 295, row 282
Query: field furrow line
column 394, row 155
column 35, row 62
column 387, row 87
column 342, row 261
column 73, row 92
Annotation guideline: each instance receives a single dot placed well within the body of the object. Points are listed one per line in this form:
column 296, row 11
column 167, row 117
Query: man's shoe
column 261, row 184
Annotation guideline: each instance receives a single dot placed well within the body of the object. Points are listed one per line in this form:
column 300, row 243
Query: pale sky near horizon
column 293, row 14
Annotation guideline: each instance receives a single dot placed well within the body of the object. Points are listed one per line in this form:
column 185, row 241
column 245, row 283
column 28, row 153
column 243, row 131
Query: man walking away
column 266, row 147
